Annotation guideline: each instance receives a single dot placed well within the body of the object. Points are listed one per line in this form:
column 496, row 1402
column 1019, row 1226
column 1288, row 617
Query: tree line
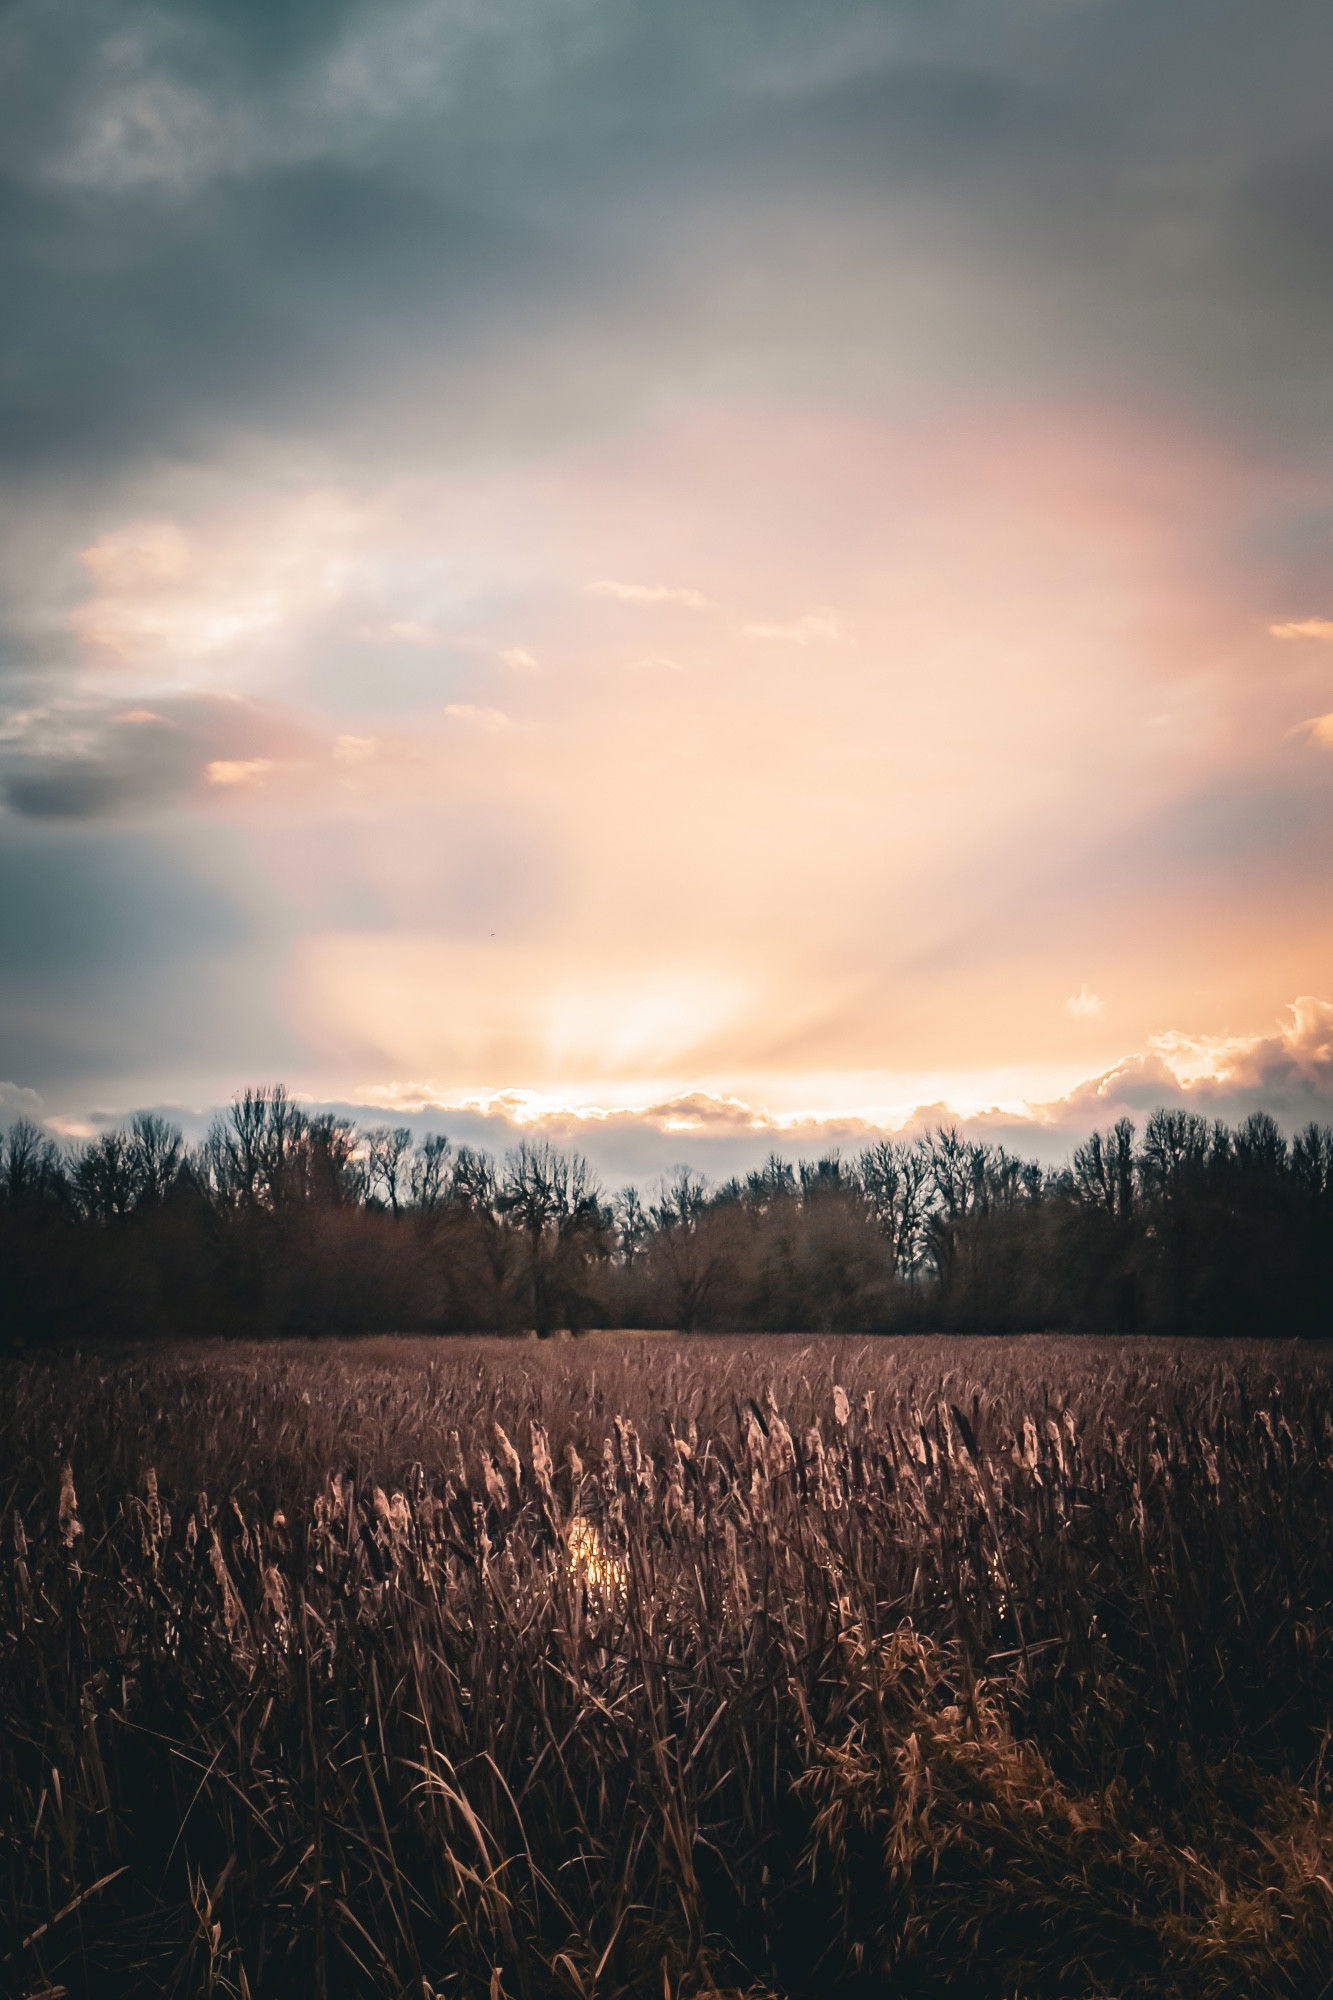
column 286, row 1220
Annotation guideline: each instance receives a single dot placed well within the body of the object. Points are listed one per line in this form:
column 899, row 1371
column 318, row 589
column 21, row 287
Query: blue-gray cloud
column 211, row 219
column 128, row 956
column 83, row 763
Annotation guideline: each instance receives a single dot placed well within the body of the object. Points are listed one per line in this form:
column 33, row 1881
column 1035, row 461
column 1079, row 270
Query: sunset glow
column 742, row 586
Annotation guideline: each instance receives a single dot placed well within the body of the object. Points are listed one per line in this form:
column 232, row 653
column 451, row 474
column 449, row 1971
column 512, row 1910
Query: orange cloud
column 1288, row 1070
column 482, row 718
column 1304, row 628
column 237, row 770
column 816, row 628
column 647, row 593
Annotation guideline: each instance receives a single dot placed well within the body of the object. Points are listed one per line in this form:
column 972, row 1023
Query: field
column 663, row 1666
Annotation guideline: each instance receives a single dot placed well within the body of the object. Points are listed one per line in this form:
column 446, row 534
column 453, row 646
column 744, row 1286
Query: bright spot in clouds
column 491, row 719
column 647, row 593
column 237, row 770
column 401, row 632
column 1304, row 628
column 816, row 628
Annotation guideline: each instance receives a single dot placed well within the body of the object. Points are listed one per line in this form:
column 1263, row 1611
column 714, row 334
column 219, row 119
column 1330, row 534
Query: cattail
column 507, row 1456
column 673, row 1499
column 71, row 1527
column 781, row 1452
column 1057, row 1443
column 496, row 1490
column 812, row 1451
column 275, row 1593
column 541, row 1455
column 232, row 1611
column 1031, row 1446
column 751, row 1433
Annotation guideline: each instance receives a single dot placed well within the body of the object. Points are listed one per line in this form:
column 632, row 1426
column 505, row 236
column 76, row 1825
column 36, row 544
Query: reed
column 680, row 1667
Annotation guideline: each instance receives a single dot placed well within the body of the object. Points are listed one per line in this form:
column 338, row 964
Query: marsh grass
column 667, row 1667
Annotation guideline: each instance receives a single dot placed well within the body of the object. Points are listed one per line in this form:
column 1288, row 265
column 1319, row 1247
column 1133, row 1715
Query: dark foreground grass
column 646, row 1666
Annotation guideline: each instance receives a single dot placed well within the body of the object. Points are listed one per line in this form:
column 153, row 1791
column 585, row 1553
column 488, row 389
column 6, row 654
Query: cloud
column 493, row 720
column 1304, row 628
column 129, row 958
column 229, row 771
column 958, row 318
column 816, row 628
column 1319, row 729
column 84, row 761
column 1085, row 1006
column 402, row 632
column 520, row 658
column 1287, row 1070
column 166, row 594
column 16, row 1102
column 647, row 593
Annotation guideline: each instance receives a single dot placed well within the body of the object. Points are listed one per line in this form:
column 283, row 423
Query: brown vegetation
column 656, row 1666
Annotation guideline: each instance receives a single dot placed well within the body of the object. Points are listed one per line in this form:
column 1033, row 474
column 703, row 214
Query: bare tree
column 553, row 1199
column 31, row 1168
column 894, row 1178
column 689, row 1245
column 427, row 1178
column 104, row 1178
column 157, row 1155
column 632, row 1223
column 388, row 1150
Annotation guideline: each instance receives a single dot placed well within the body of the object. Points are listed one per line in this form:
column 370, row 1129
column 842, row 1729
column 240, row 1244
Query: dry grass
column 667, row 1667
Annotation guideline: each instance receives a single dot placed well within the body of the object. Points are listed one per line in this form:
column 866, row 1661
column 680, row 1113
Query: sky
column 686, row 576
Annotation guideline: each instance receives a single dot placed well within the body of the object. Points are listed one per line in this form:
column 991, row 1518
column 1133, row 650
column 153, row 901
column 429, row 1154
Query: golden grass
column 671, row 1667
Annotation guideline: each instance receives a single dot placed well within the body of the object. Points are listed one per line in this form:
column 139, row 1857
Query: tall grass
column 667, row 1667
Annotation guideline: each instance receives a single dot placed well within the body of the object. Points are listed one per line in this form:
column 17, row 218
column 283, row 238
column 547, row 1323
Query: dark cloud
column 246, row 215
column 77, row 764
column 128, row 957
